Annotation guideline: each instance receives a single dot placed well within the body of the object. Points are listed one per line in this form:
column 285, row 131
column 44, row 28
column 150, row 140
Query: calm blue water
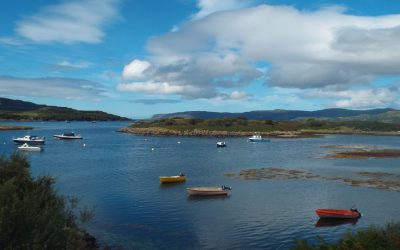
column 118, row 174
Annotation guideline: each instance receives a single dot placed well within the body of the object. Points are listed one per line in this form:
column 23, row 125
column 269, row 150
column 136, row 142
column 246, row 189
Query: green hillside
column 20, row 110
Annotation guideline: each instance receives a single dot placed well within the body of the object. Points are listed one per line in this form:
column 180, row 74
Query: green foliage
column 32, row 215
column 242, row 124
column 372, row 238
column 59, row 114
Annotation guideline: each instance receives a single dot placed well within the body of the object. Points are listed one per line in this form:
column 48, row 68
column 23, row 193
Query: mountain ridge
column 280, row 114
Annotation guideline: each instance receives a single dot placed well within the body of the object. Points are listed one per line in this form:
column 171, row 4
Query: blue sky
column 138, row 58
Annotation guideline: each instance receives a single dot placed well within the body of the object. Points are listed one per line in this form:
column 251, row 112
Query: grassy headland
column 242, row 127
column 21, row 110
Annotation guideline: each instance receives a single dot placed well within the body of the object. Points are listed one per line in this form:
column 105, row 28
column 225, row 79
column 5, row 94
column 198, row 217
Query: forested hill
column 387, row 114
column 21, row 110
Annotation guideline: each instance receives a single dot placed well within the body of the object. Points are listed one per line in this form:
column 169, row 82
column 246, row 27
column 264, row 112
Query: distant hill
column 21, row 110
column 388, row 115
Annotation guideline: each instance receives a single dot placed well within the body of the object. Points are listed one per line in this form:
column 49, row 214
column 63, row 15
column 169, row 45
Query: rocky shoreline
column 213, row 133
column 158, row 131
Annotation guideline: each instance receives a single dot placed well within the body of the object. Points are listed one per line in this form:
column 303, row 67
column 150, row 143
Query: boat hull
column 171, row 179
column 203, row 191
column 337, row 214
column 63, row 137
column 33, row 149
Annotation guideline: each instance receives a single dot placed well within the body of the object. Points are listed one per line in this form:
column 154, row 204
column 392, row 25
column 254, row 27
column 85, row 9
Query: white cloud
column 70, row 22
column 207, row 7
column 361, row 98
column 6, row 40
column 67, row 88
column 303, row 49
column 135, row 70
column 237, row 95
column 70, row 66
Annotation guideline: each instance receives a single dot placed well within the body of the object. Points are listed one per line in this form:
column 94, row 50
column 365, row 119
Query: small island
column 242, row 127
column 11, row 127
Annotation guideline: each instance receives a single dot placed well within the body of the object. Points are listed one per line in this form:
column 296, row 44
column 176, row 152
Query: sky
column 139, row 58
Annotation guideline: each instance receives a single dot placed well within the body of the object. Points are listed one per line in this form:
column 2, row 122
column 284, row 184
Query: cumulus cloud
column 135, row 70
column 361, row 98
column 213, row 53
column 67, row 88
column 70, row 22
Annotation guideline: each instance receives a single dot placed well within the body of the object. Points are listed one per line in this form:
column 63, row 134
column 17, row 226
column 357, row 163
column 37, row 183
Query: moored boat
column 208, row 191
column 27, row 147
column 257, row 138
column 338, row 213
column 31, row 139
column 173, row 178
column 221, row 144
column 68, row 136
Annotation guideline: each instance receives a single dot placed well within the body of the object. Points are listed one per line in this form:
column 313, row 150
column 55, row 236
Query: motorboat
column 174, row 178
column 27, row 147
column 68, row 136
column 338, row 213
column 208, row 191
column 30, row 139
column 221, row 144
column 257, row 138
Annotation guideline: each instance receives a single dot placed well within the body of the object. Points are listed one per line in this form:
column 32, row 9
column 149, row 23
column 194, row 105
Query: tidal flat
column 365, row 153
column 378, row 180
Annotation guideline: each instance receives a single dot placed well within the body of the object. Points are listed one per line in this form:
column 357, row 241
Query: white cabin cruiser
column 31, row 139
column 257, row 138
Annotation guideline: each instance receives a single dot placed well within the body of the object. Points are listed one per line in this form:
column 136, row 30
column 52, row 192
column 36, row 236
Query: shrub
column 32, row 214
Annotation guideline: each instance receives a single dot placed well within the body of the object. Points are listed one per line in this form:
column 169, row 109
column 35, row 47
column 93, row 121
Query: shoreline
column 158, row 131
column 11, row 127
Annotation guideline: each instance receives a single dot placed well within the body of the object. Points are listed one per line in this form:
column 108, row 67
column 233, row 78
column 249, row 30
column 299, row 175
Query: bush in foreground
column 32, row 214
column 372, row 238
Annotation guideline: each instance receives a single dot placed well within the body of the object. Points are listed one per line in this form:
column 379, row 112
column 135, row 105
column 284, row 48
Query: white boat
column 257, row 138
column 208, row 191
column 221, row 144
column 31, row 139
column 68, row 136
column 26, row 147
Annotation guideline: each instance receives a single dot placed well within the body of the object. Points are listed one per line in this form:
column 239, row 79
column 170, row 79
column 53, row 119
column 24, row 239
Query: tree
column 32, row 214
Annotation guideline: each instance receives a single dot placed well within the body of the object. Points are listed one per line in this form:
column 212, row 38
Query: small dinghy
column 26, row 147
column 175, row 178
column 208, row 191
column 328, row 213
column 221, row 144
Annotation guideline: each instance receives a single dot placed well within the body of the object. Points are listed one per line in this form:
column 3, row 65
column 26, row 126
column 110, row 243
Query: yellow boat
column 175, row 178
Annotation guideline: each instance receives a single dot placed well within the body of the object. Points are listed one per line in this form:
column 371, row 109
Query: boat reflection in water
column 325, row 222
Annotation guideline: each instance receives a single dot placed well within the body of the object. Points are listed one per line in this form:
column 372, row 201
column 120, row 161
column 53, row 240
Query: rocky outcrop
column 211, row 133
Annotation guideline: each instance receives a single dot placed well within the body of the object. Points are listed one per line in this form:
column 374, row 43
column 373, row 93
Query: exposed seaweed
column 379, row 180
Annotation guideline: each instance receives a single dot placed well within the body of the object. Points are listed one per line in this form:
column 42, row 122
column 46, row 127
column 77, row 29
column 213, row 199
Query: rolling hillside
column 21, row 110
column 384, row 115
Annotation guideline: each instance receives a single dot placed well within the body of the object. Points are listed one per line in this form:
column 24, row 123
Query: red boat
column 338, row 213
